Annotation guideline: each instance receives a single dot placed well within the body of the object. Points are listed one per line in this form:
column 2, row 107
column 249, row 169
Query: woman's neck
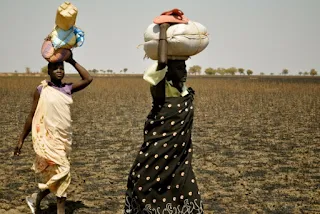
column 56, row 82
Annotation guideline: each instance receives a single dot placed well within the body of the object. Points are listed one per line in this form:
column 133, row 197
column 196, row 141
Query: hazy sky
column 261, row 35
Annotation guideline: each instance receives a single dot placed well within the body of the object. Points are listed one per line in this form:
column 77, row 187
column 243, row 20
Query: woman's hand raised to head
column 86, row 78
column 70, row 60
column 164, row 26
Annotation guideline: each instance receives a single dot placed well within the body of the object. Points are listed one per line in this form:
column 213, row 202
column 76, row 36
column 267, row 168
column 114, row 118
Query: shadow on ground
column 71, row 207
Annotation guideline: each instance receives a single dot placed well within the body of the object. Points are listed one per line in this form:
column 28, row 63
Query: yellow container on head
column 66, row 15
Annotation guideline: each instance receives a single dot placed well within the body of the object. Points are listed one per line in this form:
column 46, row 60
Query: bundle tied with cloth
column 64, row 36
column 185, row 38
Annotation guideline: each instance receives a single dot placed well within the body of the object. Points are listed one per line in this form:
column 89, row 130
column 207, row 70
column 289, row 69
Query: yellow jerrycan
column 66, row 15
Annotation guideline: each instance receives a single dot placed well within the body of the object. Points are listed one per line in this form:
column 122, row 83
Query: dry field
column 257, row 143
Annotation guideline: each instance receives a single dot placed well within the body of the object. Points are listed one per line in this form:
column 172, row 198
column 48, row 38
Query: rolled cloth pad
column 171, row 16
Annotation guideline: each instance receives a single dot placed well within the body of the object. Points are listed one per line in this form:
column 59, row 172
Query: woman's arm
column 158, row 91
column 86, row 78
column 163, row 46
column 28, row 124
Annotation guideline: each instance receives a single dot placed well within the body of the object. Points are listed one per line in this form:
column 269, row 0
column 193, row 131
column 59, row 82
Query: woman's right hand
column 17, row 149
column 164, row 26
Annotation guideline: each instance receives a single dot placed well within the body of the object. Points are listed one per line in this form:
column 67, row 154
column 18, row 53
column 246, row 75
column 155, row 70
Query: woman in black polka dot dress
column 161, row 179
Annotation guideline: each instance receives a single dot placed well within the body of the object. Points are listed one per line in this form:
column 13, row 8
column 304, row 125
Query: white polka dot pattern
column 162, row 175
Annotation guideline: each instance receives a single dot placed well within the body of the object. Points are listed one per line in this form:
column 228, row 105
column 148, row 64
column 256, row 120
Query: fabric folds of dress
column 52, row 139
column 161, row 179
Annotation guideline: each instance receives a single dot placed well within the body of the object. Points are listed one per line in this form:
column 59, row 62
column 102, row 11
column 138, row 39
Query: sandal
column 31, row 201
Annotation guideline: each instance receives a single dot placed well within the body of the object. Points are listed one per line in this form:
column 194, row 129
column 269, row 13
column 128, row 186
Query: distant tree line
column 312, row 72
column 196, row 70
column 44, row 70
column 108, row 71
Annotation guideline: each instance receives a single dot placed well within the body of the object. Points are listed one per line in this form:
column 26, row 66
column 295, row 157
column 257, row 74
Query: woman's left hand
column 70, row 59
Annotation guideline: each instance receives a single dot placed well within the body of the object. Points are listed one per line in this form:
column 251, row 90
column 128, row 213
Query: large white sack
column 184, row 40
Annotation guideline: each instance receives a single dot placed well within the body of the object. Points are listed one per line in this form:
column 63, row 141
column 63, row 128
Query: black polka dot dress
column 161, row 179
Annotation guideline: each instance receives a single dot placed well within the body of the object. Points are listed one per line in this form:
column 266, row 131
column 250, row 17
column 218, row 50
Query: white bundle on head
column 184, row 40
